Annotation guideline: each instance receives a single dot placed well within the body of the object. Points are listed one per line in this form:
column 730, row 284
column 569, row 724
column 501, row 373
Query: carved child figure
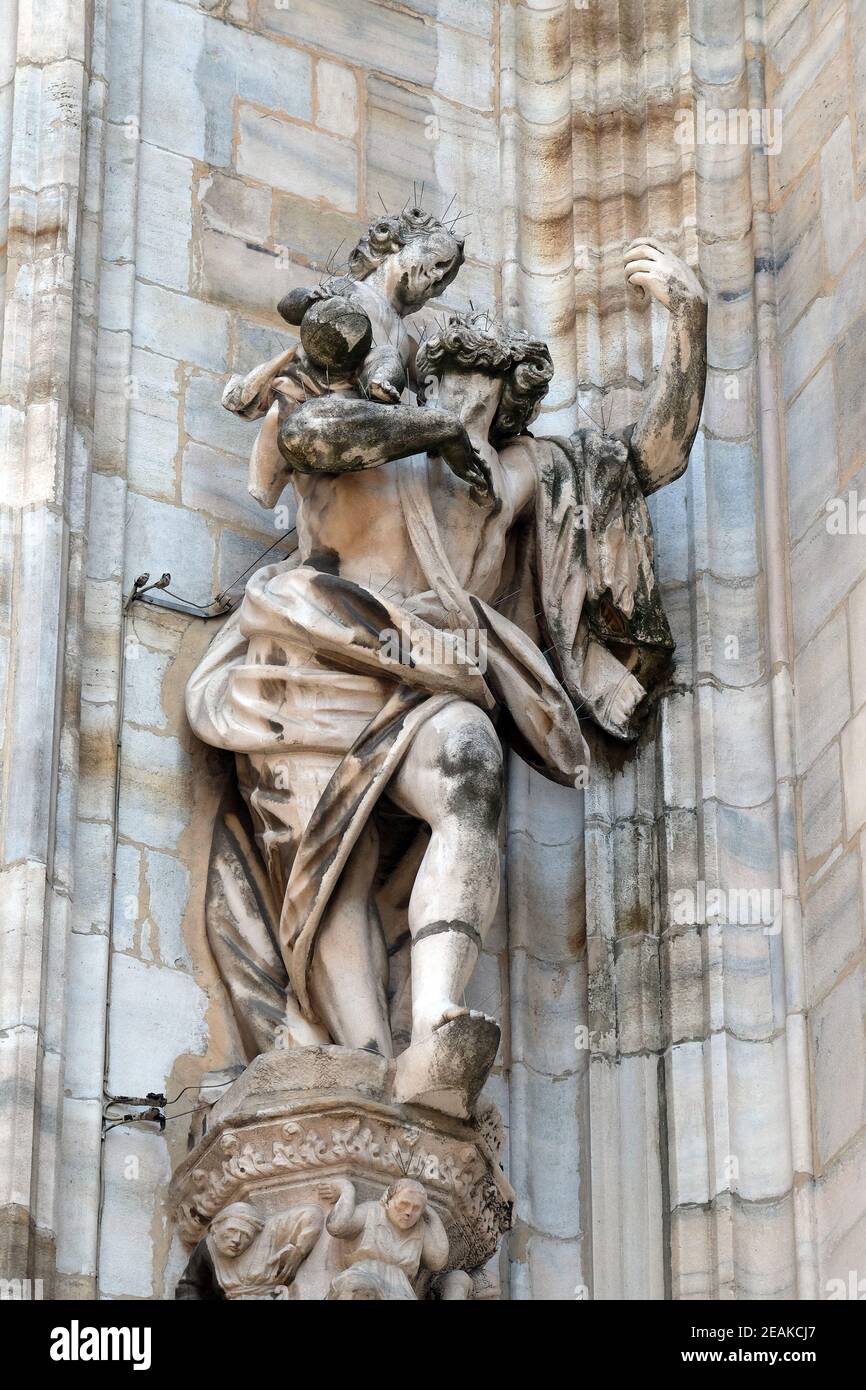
column 393, row 1239
column 246, row 1255
column 352, row 337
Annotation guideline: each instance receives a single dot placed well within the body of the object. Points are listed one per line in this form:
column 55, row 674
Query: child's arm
column 252, row 395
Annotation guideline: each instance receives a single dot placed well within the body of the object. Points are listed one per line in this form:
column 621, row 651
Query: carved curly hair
column 483, row 344
column 387, row 235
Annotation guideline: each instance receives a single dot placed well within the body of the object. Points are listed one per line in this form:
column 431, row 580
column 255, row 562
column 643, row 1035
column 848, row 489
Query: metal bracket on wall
column 151, row 1110
column 218, row 607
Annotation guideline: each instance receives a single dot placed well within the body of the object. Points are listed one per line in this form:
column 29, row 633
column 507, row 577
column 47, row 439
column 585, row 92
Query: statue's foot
column 447, row 1069
column 384, row 391
column 430, row 1020
column 457, row 1011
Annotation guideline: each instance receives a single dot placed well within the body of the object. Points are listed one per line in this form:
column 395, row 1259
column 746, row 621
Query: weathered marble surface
column 180, row 253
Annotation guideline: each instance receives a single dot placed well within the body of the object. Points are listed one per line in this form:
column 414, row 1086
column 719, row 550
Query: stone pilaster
column 44, row 447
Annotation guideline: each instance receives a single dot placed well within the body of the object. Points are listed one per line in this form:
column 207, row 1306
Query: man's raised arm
column 663, row 436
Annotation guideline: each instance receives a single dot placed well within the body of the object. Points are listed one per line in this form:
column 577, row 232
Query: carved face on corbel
column 405, row 1202
column 235, row 1229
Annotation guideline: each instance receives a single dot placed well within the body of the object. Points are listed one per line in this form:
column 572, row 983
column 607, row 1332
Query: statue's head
column 405, row 1202
column 235, row 1228
column 481, row 345
column 356, row 1285
column 413, row 253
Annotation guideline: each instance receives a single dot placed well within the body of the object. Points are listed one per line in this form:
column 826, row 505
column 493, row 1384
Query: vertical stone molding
column 45, row 385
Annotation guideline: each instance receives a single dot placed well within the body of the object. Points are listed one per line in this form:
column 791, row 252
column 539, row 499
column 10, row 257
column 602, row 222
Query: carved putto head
column 480, row 343
column 427, row 254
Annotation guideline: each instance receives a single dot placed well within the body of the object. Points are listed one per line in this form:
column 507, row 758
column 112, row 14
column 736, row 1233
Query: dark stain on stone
column 472, row 765
column 615, row 754
column 325, row 560
column 263, row 250
column 773, row 265
column 437, row 929
column 356, row 603
column 273, row 692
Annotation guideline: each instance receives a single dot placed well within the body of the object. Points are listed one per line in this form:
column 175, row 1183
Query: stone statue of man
column 247, row 1255
column 364, row 762
column 389, row 1240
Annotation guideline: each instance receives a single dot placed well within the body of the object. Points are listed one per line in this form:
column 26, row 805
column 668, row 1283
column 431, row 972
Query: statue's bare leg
column 350, row 964
column 268, row 473
column 452, row 779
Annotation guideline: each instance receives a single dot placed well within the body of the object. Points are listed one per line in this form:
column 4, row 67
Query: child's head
column 412, row 255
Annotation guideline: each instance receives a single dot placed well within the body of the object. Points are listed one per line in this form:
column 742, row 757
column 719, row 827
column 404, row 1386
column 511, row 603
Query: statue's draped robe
column 321, row 708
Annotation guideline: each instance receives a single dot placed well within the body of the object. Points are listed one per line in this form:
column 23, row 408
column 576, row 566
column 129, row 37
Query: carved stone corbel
column 257, row 1196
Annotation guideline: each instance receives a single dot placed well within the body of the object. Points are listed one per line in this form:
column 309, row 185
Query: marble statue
column 389, row 1241
column 459, row 585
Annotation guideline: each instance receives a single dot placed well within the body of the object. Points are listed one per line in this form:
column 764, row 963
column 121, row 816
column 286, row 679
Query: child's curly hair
column 388, row 234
